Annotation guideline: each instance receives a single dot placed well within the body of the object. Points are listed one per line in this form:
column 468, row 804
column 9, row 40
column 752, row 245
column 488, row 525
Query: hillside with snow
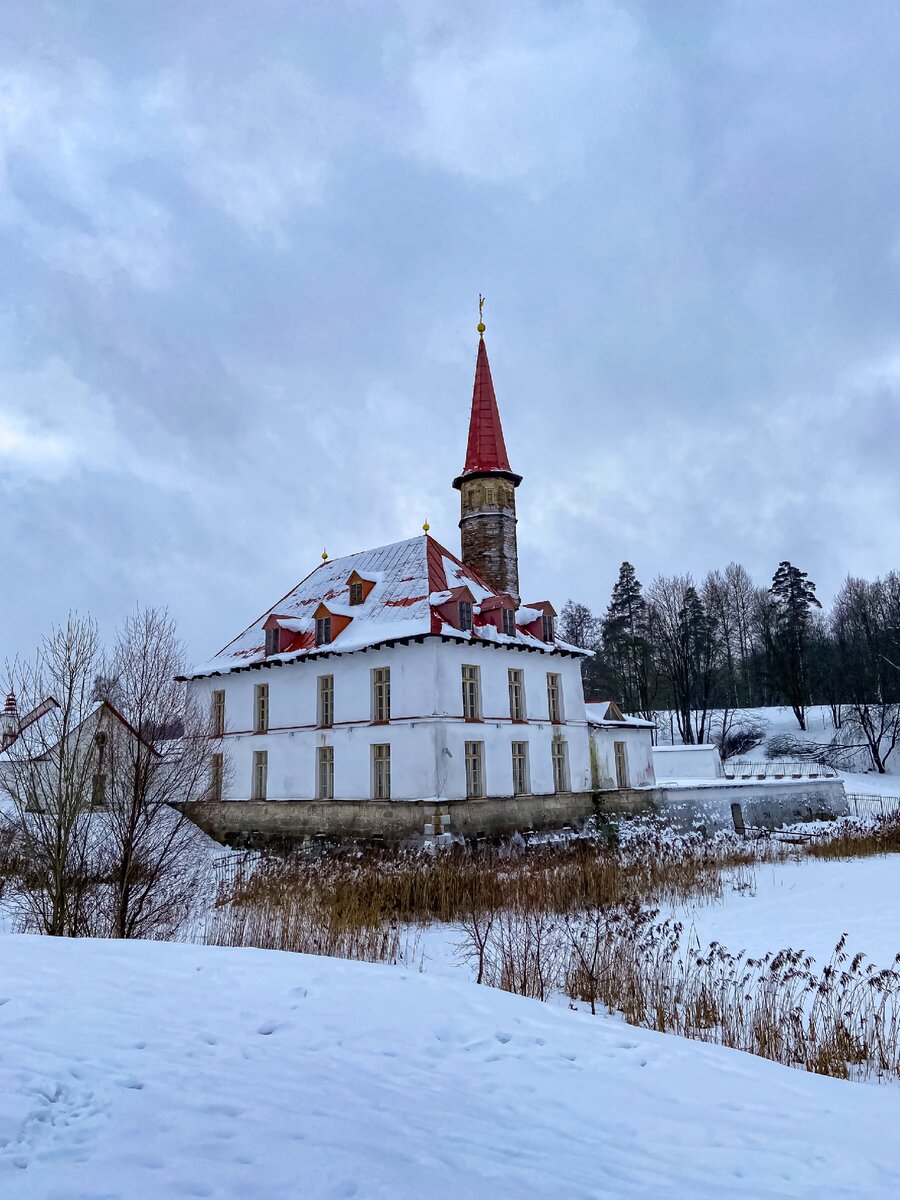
column 142, row 1070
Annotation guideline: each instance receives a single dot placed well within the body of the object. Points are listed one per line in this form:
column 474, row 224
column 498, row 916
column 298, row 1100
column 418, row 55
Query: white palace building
column 408, row 673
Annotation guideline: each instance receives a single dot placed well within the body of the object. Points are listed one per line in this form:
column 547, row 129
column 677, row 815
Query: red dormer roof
column 486, row 449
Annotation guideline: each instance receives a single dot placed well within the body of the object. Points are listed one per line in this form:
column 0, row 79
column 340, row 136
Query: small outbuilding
column 621, row 748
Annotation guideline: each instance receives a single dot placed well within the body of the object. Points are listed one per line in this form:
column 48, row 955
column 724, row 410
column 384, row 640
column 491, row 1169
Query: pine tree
column 794, row 597
column 626, row 642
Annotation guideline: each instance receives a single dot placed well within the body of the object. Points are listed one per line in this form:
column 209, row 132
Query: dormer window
column 548, row 628
column 356, row 592
column 323, row 631
column 273, row 641
column 509, row 622
column 465, row 614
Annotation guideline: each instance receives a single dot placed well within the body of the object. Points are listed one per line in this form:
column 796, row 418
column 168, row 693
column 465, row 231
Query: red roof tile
column 486, row 450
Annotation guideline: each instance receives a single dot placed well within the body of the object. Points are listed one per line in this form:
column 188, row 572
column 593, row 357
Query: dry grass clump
column 363, row 889
column 855, row 838
column 841, row 1020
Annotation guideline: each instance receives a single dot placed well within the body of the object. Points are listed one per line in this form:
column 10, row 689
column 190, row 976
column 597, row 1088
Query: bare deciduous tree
column 153, row 855
column 49, row 768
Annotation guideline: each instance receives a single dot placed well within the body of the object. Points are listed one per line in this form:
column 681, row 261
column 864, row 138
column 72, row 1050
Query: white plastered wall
column 427, row 733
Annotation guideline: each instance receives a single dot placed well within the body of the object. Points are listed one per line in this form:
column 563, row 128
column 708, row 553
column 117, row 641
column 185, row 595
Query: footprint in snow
column 269, row 1027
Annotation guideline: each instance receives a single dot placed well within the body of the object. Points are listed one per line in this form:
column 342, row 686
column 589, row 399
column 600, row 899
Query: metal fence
column 778, row 770
column 873, row 805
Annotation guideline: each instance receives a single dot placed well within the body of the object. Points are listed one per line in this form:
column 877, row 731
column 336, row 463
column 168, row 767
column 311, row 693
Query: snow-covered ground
column 807, row 905
column 145, row 1070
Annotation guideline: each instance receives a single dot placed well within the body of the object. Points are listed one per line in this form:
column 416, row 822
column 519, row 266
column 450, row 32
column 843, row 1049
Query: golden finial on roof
column 426, row 526
column 324, row 555
column 481, row 325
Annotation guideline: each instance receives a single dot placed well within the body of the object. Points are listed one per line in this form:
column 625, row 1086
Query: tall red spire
column 486, row 450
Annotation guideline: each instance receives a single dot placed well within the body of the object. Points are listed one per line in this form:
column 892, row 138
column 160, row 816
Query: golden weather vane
column 481, row 325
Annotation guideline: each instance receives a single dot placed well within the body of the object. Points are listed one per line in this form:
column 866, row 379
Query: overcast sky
column 241, row 246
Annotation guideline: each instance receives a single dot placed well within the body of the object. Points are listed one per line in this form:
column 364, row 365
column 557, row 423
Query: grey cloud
column 239, row 253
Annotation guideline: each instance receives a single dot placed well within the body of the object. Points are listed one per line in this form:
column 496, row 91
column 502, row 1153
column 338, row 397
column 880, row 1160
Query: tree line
column 708, row 651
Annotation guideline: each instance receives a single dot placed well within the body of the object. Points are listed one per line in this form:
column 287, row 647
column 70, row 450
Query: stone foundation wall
column 250, row 823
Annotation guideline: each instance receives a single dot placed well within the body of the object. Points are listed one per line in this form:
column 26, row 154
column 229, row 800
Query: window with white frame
column 216, row 776
column 261, row 708
column 471, row 693
column 474, row 769
column 381, row 772
column 260, row 774
column 509, row 622
column 560, row 753
column 554, row 697
column 218, row 714
column 325, row 772
column 516, row 695
column 326, row 701
column 520, row 767
column 381, row 694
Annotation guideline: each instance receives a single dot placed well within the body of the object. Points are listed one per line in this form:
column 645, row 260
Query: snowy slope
column 147, row 1070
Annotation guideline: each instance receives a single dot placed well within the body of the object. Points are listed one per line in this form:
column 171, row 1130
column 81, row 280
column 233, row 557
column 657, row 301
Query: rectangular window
column 471, row 693
column 381, row 772
column 621, row 765
column 465, row 614
column 261, row 709
column 516, row 695
column 474, row 769
column 98, row 791
column 559, row 751
column 520, row 767
column 509, row 622
column 216, row 776
column 356, row 593
column 326, row 701
column 273, row 641
column 554, row 693
column 381, row 694
column 260, row 774
column 325, row 785
column 323, row 631
column 218, row 714
column 548, row 628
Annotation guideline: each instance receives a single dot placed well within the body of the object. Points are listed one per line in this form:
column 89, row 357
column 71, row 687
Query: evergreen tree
column 626, row 643
column 794, row 597
column 579, row 627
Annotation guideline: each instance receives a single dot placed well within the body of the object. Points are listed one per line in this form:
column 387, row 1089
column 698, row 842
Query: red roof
column 413, row 581
column 486, row 450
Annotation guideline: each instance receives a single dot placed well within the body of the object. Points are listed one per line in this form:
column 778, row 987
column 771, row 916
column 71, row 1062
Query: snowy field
column 144, row 1071
column 807, row 905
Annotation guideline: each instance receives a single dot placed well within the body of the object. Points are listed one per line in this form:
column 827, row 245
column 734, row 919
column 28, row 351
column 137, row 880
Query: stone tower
column 487, row 488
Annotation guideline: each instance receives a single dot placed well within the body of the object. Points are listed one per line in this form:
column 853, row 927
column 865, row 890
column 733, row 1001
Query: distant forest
column 707, row 652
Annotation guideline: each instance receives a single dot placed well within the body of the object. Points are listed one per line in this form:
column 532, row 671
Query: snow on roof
column 412, row 578
column 607, row 712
